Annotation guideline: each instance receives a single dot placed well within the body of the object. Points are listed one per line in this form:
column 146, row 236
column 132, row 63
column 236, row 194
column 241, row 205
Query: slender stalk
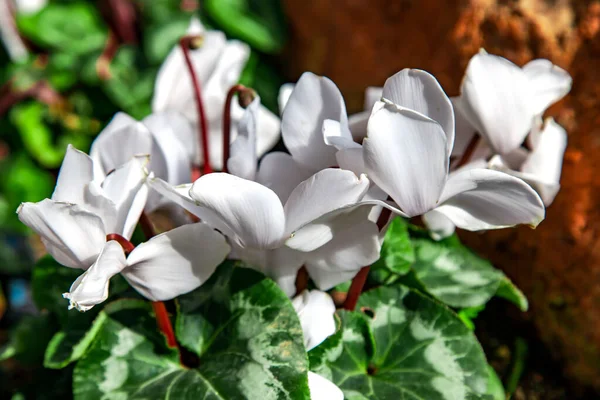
column 124, row 16
column 301, row 280
column 125, row 244
column 109, row 52
column 246, row 97
column 187, row 43
column 358, row 282
column 160, row 311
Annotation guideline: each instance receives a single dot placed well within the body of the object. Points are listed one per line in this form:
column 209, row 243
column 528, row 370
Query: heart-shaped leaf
column 404, row 345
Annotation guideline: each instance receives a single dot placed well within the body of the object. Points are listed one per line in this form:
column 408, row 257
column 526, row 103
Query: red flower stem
column 160, row 311
column 301, row 280
column 125, row 244
column 468, row 152
column 124, row 17
column 109, row 52
column 358, row 282
column 246, row 97
column 186, row 43
column 164, row 323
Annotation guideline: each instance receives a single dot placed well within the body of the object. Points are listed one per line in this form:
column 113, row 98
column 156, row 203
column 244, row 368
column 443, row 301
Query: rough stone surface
column 359, row 43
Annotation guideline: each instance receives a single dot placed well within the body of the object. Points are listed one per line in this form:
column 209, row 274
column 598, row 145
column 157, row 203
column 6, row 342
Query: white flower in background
column 168, row 138
column 30, row 6
column 218, row 63
column 541, row 167
column 164, row 267
column 502, row 101
column 315, row 311
column 406, row 153
column 75, row 223
column 278, row 231
column 322, row 388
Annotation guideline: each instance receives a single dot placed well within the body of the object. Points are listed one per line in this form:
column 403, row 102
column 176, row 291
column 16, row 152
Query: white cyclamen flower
column 502, row 101
column 166, row 137
column 315, row 311
column 541, row 167
column 218, row 64
column 75, row 223
column 407, row 151
column 279, row 231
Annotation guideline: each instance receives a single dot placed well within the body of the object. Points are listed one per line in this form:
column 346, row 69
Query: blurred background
column 67, row 66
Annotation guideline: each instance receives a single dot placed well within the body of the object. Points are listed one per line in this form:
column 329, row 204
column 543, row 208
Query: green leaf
column 242, row 323
column 260, row 23
column 256, row 352
column 328, row 350
column 407, row 346
column 454, row 274
column 495, row 388
column 507, row 290
column 74, row 27
column 28, row 340
column 397, row 252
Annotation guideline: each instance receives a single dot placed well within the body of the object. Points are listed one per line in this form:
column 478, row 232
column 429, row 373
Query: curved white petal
column 280, row 264
column 478, row 199
column 268, row 130
column 323, row 389
column 335, row 135
column 313, row 100
column 355, row 243
column 405, row 155
column 439, row 225
column 315, row 311
column 72, row 236
column 464, row 131
column 322, row 193
column 373, row 94
column 91, row 287
column 352, row 159
column 281, row 173
column 545, row 161
column 419, row 91
column 548, row 82
column 285, row 91
column 243, row 159
column 496, row 98
column 175, row 262
column 126, row 188
column 173, row 89
column 76, row 172
column 250, row 210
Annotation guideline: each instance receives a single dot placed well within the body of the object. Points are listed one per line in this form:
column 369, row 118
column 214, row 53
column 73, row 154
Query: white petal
column 243, row 159
column 175, row 262
column 373, row 94
column 355, row 244
column 91, row 287
column 315, row 311
column 358, row 125
column 335, row 135
column 119, row 122
column 478, row 199
column 548, row 82
column 405, row 155
column 496, row 98
column 175, row 146
column 439, row 225
column 281, row 173
column 464, row 133
column 285, row 91
column 280, row 264
column 323, row 389
column 313, row 100
column 126, row 188
column 114, row 147
column 269, row 130
column 173, row 89
column 322, row 193
column 545, row 161
column 76, row 172
column 352, row 159
column 250, row 210
column 419, row 91
column 72, row 236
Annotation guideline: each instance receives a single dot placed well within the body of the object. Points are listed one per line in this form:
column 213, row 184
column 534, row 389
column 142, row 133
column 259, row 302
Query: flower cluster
column 483, row 160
